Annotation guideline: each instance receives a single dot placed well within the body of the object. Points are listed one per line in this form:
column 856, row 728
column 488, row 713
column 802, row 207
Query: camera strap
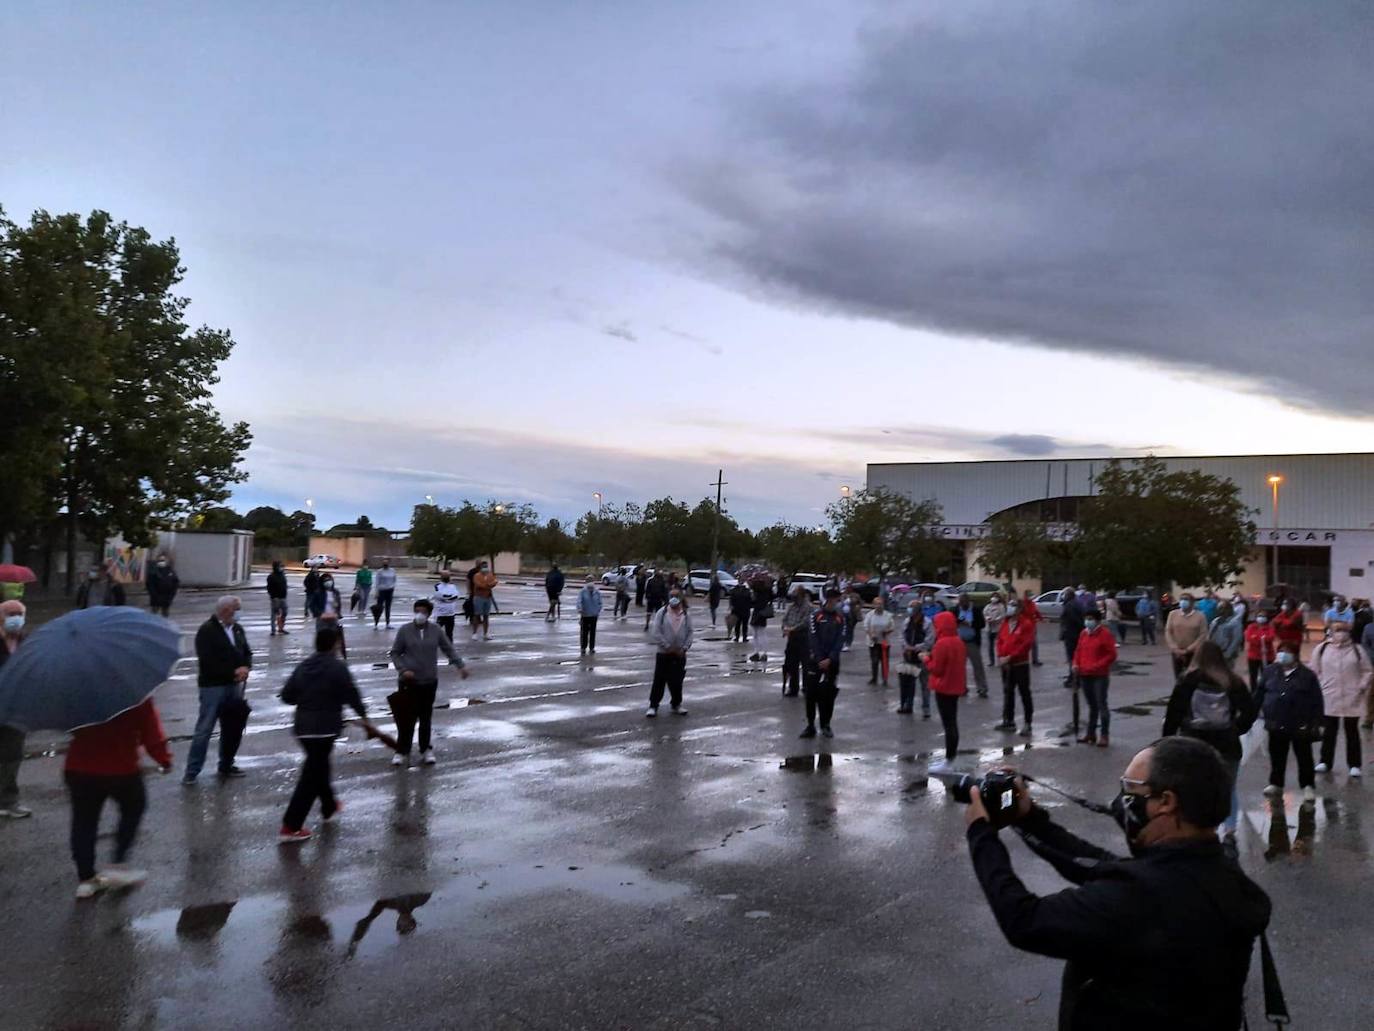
column 1092, row 807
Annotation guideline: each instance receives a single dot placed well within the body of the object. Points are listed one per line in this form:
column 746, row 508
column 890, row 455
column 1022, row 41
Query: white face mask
column 14, row 624
column 1013, row 609
column 421, row 618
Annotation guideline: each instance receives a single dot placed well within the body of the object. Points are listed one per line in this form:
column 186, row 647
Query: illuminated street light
column 1274, row 480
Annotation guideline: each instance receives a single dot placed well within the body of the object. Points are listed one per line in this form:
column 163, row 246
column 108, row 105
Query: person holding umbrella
column 319, row 688
column 225, row 660
column 11, row 738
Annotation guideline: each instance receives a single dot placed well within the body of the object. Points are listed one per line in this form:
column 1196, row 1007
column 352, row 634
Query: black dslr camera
column 996, row 787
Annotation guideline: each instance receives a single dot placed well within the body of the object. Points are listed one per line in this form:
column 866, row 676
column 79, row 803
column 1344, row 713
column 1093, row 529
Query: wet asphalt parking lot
column 570, row 864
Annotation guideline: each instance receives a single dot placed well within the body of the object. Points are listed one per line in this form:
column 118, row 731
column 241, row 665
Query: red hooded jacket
column 1260, row 642
column 1015, row 644
column 1288, row 627
column 111, row 749
column 1095, row 653
column 948, row 657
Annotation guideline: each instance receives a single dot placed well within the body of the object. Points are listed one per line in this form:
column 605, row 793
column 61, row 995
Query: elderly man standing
column 11, row 738
column 225, row 659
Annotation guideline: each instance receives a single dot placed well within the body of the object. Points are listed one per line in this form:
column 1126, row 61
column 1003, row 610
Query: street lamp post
column 597, row 494
column 844, row 491
column 1274, row 482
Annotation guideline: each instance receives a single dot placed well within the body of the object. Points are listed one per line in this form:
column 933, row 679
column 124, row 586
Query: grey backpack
column 1211, row 709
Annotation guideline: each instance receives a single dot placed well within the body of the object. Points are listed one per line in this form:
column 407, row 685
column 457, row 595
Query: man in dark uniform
column 825, row 642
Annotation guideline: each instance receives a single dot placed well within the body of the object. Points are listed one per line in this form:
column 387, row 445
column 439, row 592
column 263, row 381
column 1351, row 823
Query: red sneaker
column 286, row 836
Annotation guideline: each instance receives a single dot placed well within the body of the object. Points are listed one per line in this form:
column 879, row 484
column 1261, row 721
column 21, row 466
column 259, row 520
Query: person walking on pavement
column 993, row 613
column 386, row 590
column 1290, row 698
column 1184, row 632
column 1344, row 671
column 553, row 587
column 101, row 763
column 672, row 634
column 319, row 688
column 1259, row 647
column 483, row 600
column 713, row 595
column 1111, row 612
column 741, row 604
column 311, row 586
column 878, row 627
column 1147, row 611
column 655, row 594
column 446, row 601
column 624, row 588
column 1015, row 639
column 914, row 634
column 362, row 587
column 945, row 661
column 641, row 585
column 12, row 634
column 824, row 644
column 225, row 661
column 163, row 583
column 276, row 599
column 1212, row 704
column 415, row 654
column 794, row 630
column 588, row 612
column 761, row 613
column 971, row 623
column 1227, row 632
column 100, row 588
column 1092, row 664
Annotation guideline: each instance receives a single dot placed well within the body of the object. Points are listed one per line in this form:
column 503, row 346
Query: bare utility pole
column 715, row 530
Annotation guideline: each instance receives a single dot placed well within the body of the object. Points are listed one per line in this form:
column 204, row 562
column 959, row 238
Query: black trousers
column 384, row 596
column 713, row 606
column 741, row 631
column 446, row 624
column 650, row 609
column 88, row 793
column 586, row 632
column 1352, row 740
column 1255, row 667
column 948, row 707
column 622, row 605
column 313, row 784
column 668, row 672
column 1279, row 742
column 820, row 692
column 792, row 657
column 1016, row 679
column 422, row 697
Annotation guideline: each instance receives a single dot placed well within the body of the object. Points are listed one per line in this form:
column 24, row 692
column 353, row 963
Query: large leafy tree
column 1146, row 525
column 550, row 541
column 616, row 532
column 792, row 549
column 880, row 531
column 470, row 530
column 106, row 422
column 1016, row 545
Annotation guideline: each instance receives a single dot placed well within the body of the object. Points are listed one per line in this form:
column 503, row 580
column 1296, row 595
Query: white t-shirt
column 446, row 599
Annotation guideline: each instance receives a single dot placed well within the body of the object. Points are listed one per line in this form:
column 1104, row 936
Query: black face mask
column 1128, row 811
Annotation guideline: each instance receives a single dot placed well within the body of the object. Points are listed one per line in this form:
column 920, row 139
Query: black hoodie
column 1159, row 941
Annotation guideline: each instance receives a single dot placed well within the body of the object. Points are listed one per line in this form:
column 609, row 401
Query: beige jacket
column 1185, row 630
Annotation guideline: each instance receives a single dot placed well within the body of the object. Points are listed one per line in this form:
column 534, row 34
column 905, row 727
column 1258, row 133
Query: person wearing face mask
column 878, row 627
column 588, row 612
column 1207, row 605
column 913, row 643
column 100, row 588
column 672, row 635
column 1259, row 647
column 1185, row 629
column 1147, row 611
column 945, row 661
column 993, row 613
column 1092, row 663
column 415, row 654
column 1344, row 671
column 930, row 608
column 276, row 596
column 1289, row 697
column 1227, row 632
column 1339, row 612
column 1160, row 940
column 1015, row 638
column 824, row 645
column 225, row 661
column 1289, row 626
column 794, row 623
column 385, row 582
column 12, row 635
column 483, row 599
column 163, row 583
column 971, row 624
column 446, row 601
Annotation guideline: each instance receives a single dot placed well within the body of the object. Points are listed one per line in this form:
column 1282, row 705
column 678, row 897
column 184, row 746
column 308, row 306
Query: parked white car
column 610, row 576
column 316, row 561
column 699, row 580
column 1049, row 604
column 813, row 582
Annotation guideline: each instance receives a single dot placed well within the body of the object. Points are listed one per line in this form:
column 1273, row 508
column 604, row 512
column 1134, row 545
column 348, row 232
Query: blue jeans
column 1095, row 690
column 210, row 700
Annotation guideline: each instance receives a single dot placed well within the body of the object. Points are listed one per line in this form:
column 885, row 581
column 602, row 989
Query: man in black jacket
column 276, row 595
column 655, row 596
column 1161, row 940
column 225, row 659
column 163, row 583
column 741, row 605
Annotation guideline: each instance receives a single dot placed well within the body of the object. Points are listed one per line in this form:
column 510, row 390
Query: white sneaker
column 1355, row 772
column 651, row 711
column 120, row 876
column 1321, row 767
column 678, row 710
column 399, row 760
column 1309, row 794
column 89, row 889
column 15, row 812
column 1273, row 789
column 427, row 757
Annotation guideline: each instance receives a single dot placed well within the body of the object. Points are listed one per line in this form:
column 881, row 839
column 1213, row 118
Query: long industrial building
column 1314, row 512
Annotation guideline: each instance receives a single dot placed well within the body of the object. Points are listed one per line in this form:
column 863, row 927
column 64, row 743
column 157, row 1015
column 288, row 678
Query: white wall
column 209, row 559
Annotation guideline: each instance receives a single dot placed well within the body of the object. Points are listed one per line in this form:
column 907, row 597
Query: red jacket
column 1030, row 610
column 110, row 749
column 1260, row 642
column 948, row 657
column 1015, row 645
column 1288, row 627
column 1095, row 653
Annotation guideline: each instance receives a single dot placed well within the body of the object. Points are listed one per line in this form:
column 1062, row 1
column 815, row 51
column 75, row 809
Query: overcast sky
column 532, row 250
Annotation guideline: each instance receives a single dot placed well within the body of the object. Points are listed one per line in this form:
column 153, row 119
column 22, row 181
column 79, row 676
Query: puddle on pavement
column 808, row 763
column 1295, row 829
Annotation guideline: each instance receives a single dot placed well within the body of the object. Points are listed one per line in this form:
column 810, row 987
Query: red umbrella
column 16, row 575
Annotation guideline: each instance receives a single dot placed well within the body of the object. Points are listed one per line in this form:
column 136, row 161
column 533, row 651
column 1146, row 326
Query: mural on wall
column 126, row 563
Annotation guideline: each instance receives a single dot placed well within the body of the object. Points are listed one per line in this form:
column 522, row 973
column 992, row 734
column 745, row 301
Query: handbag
column 769, row 612
column 908, row 669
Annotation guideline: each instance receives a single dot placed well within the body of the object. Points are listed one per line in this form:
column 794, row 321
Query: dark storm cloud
column 1175, row 181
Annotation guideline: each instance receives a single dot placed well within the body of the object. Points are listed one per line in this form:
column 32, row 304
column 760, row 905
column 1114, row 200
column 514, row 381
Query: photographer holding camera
column 1160, row 940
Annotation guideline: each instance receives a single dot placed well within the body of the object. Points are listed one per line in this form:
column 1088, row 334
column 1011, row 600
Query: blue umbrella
column 87, row 667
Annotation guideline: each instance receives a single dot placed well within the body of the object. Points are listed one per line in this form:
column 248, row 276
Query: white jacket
column 878, row 626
